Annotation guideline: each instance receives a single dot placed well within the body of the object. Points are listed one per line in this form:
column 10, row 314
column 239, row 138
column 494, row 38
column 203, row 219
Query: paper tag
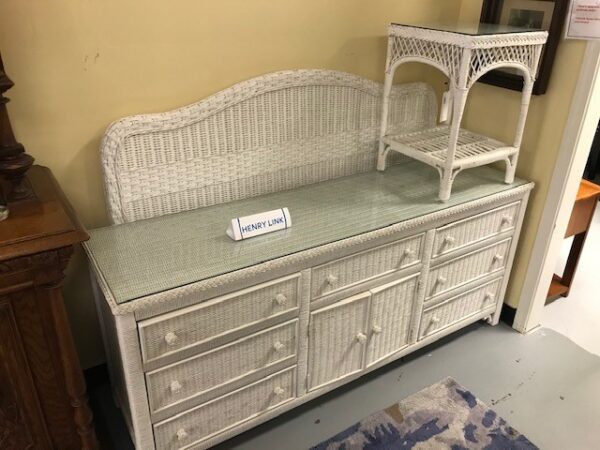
column 583, row 20
column 257, row 224
column 445, row 107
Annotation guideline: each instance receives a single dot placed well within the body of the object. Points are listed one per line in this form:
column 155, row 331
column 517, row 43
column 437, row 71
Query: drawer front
column 200, row 423
column 173, row 332
column 391, row 312
column 468, row 231
column 438, row 317
column 467, row 268
column 337, row 337
column 366, row 265
column 198, row 375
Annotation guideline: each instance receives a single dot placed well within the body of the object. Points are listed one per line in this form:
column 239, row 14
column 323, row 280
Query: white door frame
column 576, row 142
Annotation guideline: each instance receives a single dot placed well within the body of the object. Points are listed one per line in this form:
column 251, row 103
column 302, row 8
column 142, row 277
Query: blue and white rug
column 442, row 416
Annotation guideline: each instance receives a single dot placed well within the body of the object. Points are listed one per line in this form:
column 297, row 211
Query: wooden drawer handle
column 280, row 299
column 175, row 387
column 449, row 240
column 278, row 391
column 331, row 280
column 181, row 434
column 498, row 258
column 377, row 329
column 507, row 220
column 278, row 346
column 171, row 338
column 361, row 338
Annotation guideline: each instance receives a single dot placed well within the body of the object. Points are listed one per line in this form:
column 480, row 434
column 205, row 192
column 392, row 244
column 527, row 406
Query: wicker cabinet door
column 389, row 323
column 337, row 339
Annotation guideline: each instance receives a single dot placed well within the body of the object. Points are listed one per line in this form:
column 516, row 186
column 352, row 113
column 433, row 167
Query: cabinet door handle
column 361, row 338
column 278, row 346
column 171, row 338
column 175, row 387
column 377, row 329
column 181, row 434
column 278, row 391
column 331, row 280
column 280, row 299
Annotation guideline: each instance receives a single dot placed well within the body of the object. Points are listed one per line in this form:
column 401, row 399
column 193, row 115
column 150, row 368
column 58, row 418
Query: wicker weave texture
column 464, row 58
column 268, row 134
column 453, row 237
column 461, row 270
column 440, row 316
column 194, row 376
column 221, row 414
column 337, row 340
column 390, row 318
column 191, row 326
column 344, row 272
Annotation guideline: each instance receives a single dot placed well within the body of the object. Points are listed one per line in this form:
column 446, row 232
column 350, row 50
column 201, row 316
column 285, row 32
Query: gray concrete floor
column 578, row 316
column 542, row 384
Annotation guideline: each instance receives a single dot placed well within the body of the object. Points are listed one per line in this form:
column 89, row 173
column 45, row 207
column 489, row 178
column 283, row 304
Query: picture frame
column 546, row 15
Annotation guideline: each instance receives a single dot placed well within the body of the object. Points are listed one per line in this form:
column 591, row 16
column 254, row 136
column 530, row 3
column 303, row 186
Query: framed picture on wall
column 546, row 15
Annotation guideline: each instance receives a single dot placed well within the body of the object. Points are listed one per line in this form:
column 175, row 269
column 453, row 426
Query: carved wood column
column 75, row 384
column 14, row 162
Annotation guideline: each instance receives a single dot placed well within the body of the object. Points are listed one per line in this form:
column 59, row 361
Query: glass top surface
column 470, row 29
column 154, row 255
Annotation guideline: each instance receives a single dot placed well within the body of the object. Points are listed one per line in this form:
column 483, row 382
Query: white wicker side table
column 463, row 54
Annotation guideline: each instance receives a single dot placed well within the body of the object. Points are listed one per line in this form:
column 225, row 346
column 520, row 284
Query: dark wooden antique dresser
column 43, row 403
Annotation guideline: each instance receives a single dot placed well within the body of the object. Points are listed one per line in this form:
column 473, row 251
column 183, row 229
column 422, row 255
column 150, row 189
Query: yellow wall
column 494, row 111
column 78, row 65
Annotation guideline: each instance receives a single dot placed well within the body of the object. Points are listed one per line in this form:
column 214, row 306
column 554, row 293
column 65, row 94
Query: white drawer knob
column 331, row 280
column 409, row 253
column 361, row 337
column 181, row 434
column 489, row 296
column 449, row 240
column 171, row 338
column 377, row 329
column 507, row 220
column 280, row 299
column 175, row 387
column 435, row 320
column 278, row 346
column 498, row 258
column 279, row 391
column 441, row 280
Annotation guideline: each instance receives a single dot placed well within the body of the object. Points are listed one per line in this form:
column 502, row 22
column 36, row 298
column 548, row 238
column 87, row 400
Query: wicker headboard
column 271, row 133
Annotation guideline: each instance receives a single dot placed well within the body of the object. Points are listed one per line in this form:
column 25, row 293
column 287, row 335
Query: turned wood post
column 14, row 162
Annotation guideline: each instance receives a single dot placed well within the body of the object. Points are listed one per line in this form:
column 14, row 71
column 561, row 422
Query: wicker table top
column 150, row 256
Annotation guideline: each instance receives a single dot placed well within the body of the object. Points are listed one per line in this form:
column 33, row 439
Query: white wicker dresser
column 207, row 337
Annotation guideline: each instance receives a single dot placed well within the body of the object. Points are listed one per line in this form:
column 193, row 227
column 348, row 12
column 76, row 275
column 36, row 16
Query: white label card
column 257, row 224
column 584, row 20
